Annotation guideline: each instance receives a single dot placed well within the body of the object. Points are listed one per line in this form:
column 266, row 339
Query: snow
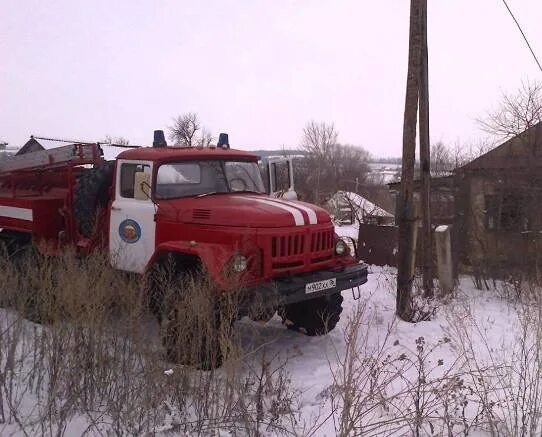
column 441, row 228
column 312, row 361
column 350, row 231
column 111, row 152
column 489, row 320
column 366, row 207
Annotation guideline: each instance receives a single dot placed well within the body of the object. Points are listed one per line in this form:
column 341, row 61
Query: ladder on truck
column 70, row 155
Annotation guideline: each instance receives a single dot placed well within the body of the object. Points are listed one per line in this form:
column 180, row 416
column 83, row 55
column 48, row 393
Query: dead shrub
column 505, row 373
column 97, row 358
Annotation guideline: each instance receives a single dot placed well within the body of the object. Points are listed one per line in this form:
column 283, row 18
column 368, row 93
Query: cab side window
column 128, row 176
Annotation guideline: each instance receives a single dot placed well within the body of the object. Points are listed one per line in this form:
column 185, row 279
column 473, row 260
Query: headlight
column 239, row 263
column 340, row 247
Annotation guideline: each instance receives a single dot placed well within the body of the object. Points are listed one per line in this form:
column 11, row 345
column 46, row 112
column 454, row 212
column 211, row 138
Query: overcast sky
column 258, row 70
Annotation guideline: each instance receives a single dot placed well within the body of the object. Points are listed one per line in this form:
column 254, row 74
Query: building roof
column 522, row 151
column 437, row 183
column 365, row 206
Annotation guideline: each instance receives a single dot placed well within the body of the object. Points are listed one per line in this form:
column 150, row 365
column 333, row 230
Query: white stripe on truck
column 310, row 212
column 16, row 213
column 298, row 217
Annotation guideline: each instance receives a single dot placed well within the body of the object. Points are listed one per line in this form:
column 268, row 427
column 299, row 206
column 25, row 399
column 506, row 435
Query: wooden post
column 407, row 216
column 445, row 266
column 425, row 159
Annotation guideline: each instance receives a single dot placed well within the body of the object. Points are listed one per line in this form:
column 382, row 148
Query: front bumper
column 289, row 290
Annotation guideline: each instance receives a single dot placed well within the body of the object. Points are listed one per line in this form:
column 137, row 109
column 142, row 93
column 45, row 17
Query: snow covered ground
column 314, row 360
column 473, row 369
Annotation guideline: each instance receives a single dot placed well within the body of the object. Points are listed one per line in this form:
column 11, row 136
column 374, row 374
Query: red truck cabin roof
column 185, row 153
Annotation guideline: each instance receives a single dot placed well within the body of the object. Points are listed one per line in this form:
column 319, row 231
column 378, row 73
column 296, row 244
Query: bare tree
column 446, row 159
column 329, row 166
column 516, row 113
column 187, row 131
column 205, row 138
column 318, row 139
column 118, row 141
column 441, row 162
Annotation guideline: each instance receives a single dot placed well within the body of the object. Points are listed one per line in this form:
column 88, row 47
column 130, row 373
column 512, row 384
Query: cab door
column 132, row 228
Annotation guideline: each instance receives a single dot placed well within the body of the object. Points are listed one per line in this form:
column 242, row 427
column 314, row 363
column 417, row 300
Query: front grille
column 321, row 241
column 300, row 249
column 286, row 246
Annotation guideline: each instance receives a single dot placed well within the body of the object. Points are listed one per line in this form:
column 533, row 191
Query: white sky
column 258, row 70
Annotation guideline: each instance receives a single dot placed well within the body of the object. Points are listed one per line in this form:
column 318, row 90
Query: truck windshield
column 194, row 178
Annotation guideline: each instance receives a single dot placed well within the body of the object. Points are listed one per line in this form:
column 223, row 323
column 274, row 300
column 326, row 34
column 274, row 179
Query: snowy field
column 473, row 369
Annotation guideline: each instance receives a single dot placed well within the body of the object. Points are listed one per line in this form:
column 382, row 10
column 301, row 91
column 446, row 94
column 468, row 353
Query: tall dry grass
column 476, row 378
column 505, row 370
column 95, row 363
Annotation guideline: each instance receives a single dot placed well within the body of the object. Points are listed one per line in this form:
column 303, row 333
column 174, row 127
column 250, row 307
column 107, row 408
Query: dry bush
column 96, row 365
column 390, row 389
column 506, row 373
column 384, row 387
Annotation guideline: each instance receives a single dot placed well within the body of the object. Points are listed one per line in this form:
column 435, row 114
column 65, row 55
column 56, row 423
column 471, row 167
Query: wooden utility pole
column 407, row 214
column 425, row 157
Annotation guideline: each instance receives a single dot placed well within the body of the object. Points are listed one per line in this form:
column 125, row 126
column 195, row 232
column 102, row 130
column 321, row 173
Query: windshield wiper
column 212, row 193
column 246, row 191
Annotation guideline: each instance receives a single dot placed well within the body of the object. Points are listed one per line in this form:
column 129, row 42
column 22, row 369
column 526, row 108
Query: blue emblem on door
column 130, row 231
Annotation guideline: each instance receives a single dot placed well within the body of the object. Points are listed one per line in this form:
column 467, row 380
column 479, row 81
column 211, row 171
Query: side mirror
column 142, row 185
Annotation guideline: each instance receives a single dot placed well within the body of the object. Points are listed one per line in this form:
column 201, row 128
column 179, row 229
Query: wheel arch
column 212, row 257
column 180, row 261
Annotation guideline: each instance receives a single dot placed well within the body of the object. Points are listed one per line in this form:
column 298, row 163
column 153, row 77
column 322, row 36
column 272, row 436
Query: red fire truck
column 205, row 207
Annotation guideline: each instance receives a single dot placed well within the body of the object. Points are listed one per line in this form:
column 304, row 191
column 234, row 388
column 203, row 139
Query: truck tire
column 202, row 344
column 194, row 332
column 313, row 317
column 91, row 196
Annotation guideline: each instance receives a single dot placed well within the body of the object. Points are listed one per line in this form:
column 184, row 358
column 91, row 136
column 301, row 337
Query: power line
column 523, row 34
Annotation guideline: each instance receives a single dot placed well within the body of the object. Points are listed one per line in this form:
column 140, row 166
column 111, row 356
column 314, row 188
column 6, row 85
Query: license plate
column 320, row 285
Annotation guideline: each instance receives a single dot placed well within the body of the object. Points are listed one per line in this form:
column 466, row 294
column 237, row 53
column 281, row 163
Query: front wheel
column 313, row 317
column 202, row 344
column 196, row 324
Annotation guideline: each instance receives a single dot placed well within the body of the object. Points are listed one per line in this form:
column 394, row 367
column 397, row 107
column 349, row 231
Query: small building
column 499, row 200
column 349, row 208
column 494, row 204
column 32, row 145
column 443, row 194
